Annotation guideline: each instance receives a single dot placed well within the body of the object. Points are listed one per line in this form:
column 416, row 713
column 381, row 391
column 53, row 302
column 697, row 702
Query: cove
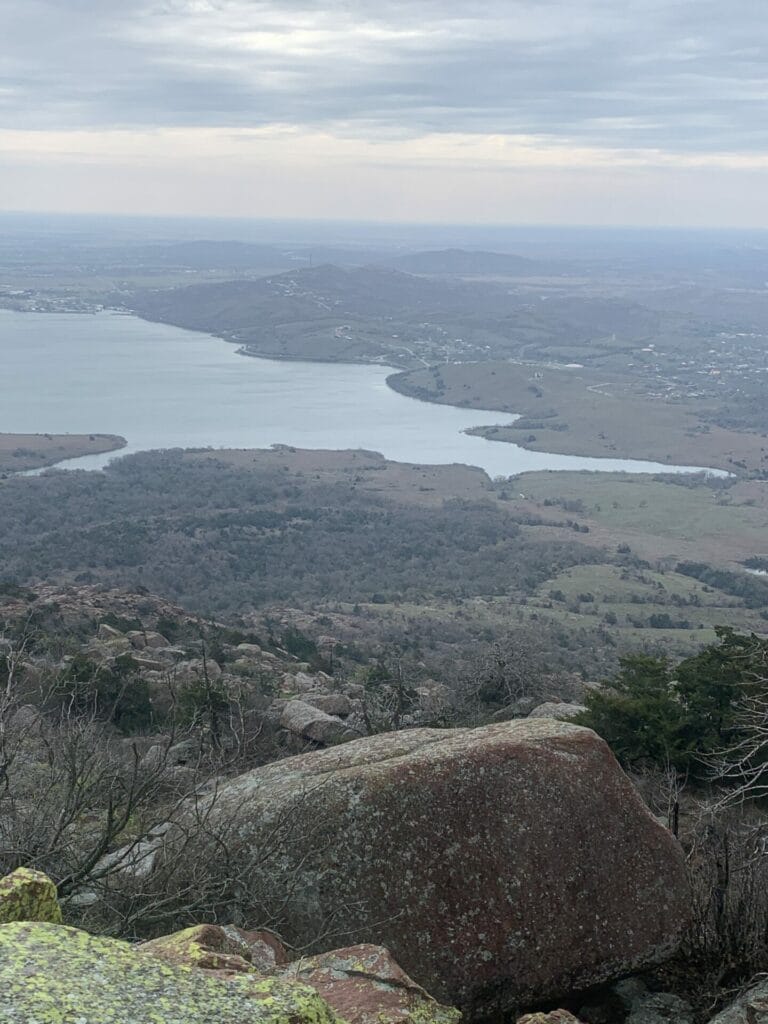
column 164, row 387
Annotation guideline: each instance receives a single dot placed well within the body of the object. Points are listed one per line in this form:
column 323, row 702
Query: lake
column 164, row 387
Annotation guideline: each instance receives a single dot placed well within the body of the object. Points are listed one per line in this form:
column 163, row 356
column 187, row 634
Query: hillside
column 365, row 314
column 471, row 263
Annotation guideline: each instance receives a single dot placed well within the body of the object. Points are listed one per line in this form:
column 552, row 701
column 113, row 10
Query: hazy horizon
column 409, row 234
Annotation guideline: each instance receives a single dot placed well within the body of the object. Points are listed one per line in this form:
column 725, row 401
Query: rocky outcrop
column 220, row 948
column 206, row 974
column 310, row 723
column 560, row 710
column 27, row 895
column 750, row 1008
column 642, row 1006
column 504, row 865
column 364, row 984
column 337, row 704
column 196, row 670
column 553, row 1017
column 147, row 639
column 52, row 973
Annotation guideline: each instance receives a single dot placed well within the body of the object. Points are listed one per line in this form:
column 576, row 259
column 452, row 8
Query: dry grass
column 371, row 473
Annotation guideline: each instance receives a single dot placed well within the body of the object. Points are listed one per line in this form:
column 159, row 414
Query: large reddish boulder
column 502, row 866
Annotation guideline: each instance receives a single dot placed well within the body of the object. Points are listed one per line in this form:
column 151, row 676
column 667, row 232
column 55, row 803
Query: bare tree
column 136, row 842
column 512, row 670
column 726, row 943
column 197, row 867
column 742, row 766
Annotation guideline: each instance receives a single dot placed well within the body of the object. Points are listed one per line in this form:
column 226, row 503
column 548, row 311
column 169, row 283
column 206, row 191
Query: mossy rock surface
column 50, row 974
column 27, row 895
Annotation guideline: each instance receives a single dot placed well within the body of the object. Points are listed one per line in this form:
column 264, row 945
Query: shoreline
column 672, row 432
column 494, row 423
column 503, row 430
column 25, row 453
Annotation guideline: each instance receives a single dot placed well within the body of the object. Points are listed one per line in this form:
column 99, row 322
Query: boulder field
column 58, row 975
column 504, row 866
column 207, row 974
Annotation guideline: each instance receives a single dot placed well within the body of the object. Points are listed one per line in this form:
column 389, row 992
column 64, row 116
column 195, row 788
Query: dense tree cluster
column 680, row 716
column 221, row 539
column 753, row 590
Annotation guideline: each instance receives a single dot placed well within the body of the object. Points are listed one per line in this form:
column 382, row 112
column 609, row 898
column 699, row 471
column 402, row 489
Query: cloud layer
column 689, row 76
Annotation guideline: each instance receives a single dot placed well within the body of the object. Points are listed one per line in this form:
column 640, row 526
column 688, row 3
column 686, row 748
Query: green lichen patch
column 553, row 1017
column 50, row 974
column 27, row 895
column 205, row 946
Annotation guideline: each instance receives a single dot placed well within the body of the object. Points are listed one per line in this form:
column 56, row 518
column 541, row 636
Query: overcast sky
column 588, row 111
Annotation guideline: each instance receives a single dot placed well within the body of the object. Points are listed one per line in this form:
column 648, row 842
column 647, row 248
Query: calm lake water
column 163, row 387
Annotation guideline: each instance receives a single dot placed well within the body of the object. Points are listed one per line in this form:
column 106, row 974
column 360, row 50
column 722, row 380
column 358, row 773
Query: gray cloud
column 674, row 74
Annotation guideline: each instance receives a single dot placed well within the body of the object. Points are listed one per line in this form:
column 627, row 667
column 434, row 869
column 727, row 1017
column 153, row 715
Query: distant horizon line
column 382, row 224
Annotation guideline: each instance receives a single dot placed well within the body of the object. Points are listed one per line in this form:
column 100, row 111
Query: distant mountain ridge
column 247, row 257
column 305, row 293
column 250, row 257
column 467, row 263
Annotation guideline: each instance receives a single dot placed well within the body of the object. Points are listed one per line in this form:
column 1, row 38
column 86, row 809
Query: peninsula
column 19, row 452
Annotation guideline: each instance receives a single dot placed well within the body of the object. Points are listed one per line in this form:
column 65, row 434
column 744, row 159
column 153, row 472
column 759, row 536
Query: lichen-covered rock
column 55, row 975
column 154, row 640
column 750, row 1008
column 337, row 704
column 27, row 895
column 553, row 1017
column 560, row 710
column 220, row 948
column 196, row 669
column 106, row 632
column 310, row 723
column 661, row 1008
column 364, row 985
column 162, row 754
column 504, row 865
column 249, row 649
column 642, row 1006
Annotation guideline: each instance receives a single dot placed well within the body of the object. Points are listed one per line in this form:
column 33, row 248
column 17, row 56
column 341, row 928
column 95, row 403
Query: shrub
column 654, row 713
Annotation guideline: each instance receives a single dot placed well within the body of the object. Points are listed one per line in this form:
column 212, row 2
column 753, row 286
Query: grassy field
column 31, row 451
column 660, row 521
column 580, row 639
